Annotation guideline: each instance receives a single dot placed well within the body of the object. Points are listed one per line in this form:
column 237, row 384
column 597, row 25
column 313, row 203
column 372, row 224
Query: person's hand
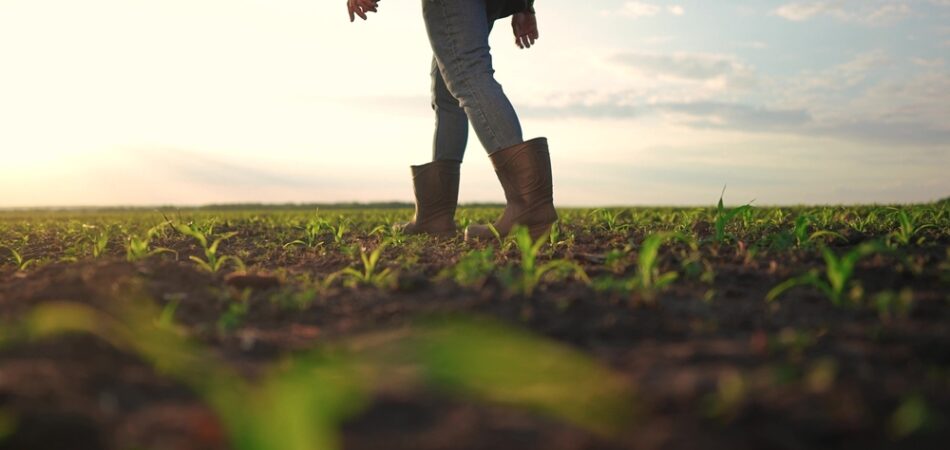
column 525, row 26
column 361, row 7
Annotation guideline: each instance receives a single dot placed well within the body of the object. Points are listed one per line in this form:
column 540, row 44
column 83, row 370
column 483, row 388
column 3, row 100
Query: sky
column 190, row 102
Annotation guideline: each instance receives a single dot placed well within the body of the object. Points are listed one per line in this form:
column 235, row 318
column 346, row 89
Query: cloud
column 736, row 116
column 890, row 132
column 870, row 12
column 909, row 129
column 696, row 114
column 200, row 168
column 691, row 66
column 639, row 9
column 636, row 10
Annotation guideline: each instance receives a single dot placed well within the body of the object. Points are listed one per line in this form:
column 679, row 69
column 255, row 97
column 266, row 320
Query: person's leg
column 458, row 32
column 435, row 184
column 451, row 123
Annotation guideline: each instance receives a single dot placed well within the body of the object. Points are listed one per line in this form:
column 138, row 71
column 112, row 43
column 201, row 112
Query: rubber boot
column 525, row 174
column 436, row 188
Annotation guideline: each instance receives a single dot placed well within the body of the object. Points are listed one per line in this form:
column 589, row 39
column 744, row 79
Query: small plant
column 302, row 402
column 648, row 280
column 97, row 239
column 838, row 273
column 212, row 261
column 802, row 235
column 890, row 304
column 100, row 243
column 395, row 235
column 725, row 216
column 473, row 268
column 498, row 237
column 238, row 307
column 912, row 416
column 339, row 230
column 615, row 259
column 370, row 274
column 907, row 228
column 166, row 319
column 611, row 220
column 18, row 260
column 862, row 222
column 138, row 248
column 531, row 272
column 312, row 231
column 295, row 299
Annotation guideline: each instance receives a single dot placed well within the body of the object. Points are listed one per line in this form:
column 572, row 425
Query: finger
column 349, row 7
column 361, row 13
column 518, row 42
column 368, row 5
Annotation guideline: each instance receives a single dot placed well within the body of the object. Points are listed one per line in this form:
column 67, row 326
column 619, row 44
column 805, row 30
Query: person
column 464, row 90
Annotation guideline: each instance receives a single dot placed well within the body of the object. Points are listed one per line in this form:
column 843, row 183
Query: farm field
column 302, row 328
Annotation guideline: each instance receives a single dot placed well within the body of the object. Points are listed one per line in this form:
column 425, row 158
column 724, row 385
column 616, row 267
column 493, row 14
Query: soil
column 810, row 374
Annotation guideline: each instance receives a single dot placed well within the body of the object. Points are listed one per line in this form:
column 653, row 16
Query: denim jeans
column 463, row 83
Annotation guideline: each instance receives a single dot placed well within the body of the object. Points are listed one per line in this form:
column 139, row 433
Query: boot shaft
column 524, row 171
column 436, row 188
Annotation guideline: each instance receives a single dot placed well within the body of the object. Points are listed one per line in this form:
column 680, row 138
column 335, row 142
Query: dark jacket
column 498, row 9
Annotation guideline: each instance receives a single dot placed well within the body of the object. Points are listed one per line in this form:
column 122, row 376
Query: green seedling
column 100, row 243
column 312, row 231
column 725, row 216
column 370, row 275
column 212, row 262
column 238, row 307
column 96, row 238
column 862, row 222
column 166, row 319
column 293, row 299
column 531, row 272
column 302, row 402
column 558, row 238
column 615, row 259
column 804, row 238
column 18, row 260
column 890, row 304
column 498, row 237
column 838, row 273
column 339, row 230
column 611, row 220
column 473, row 269
column 912, row 416
column 395, row 235
column 726, row 401
column 138, row 248
column 649, row 279
column 907, row 228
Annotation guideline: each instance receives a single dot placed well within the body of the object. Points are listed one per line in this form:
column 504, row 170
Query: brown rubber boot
column 525, row 174
column 436, row 187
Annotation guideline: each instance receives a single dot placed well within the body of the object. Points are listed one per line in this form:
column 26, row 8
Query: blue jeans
column 463, row 83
